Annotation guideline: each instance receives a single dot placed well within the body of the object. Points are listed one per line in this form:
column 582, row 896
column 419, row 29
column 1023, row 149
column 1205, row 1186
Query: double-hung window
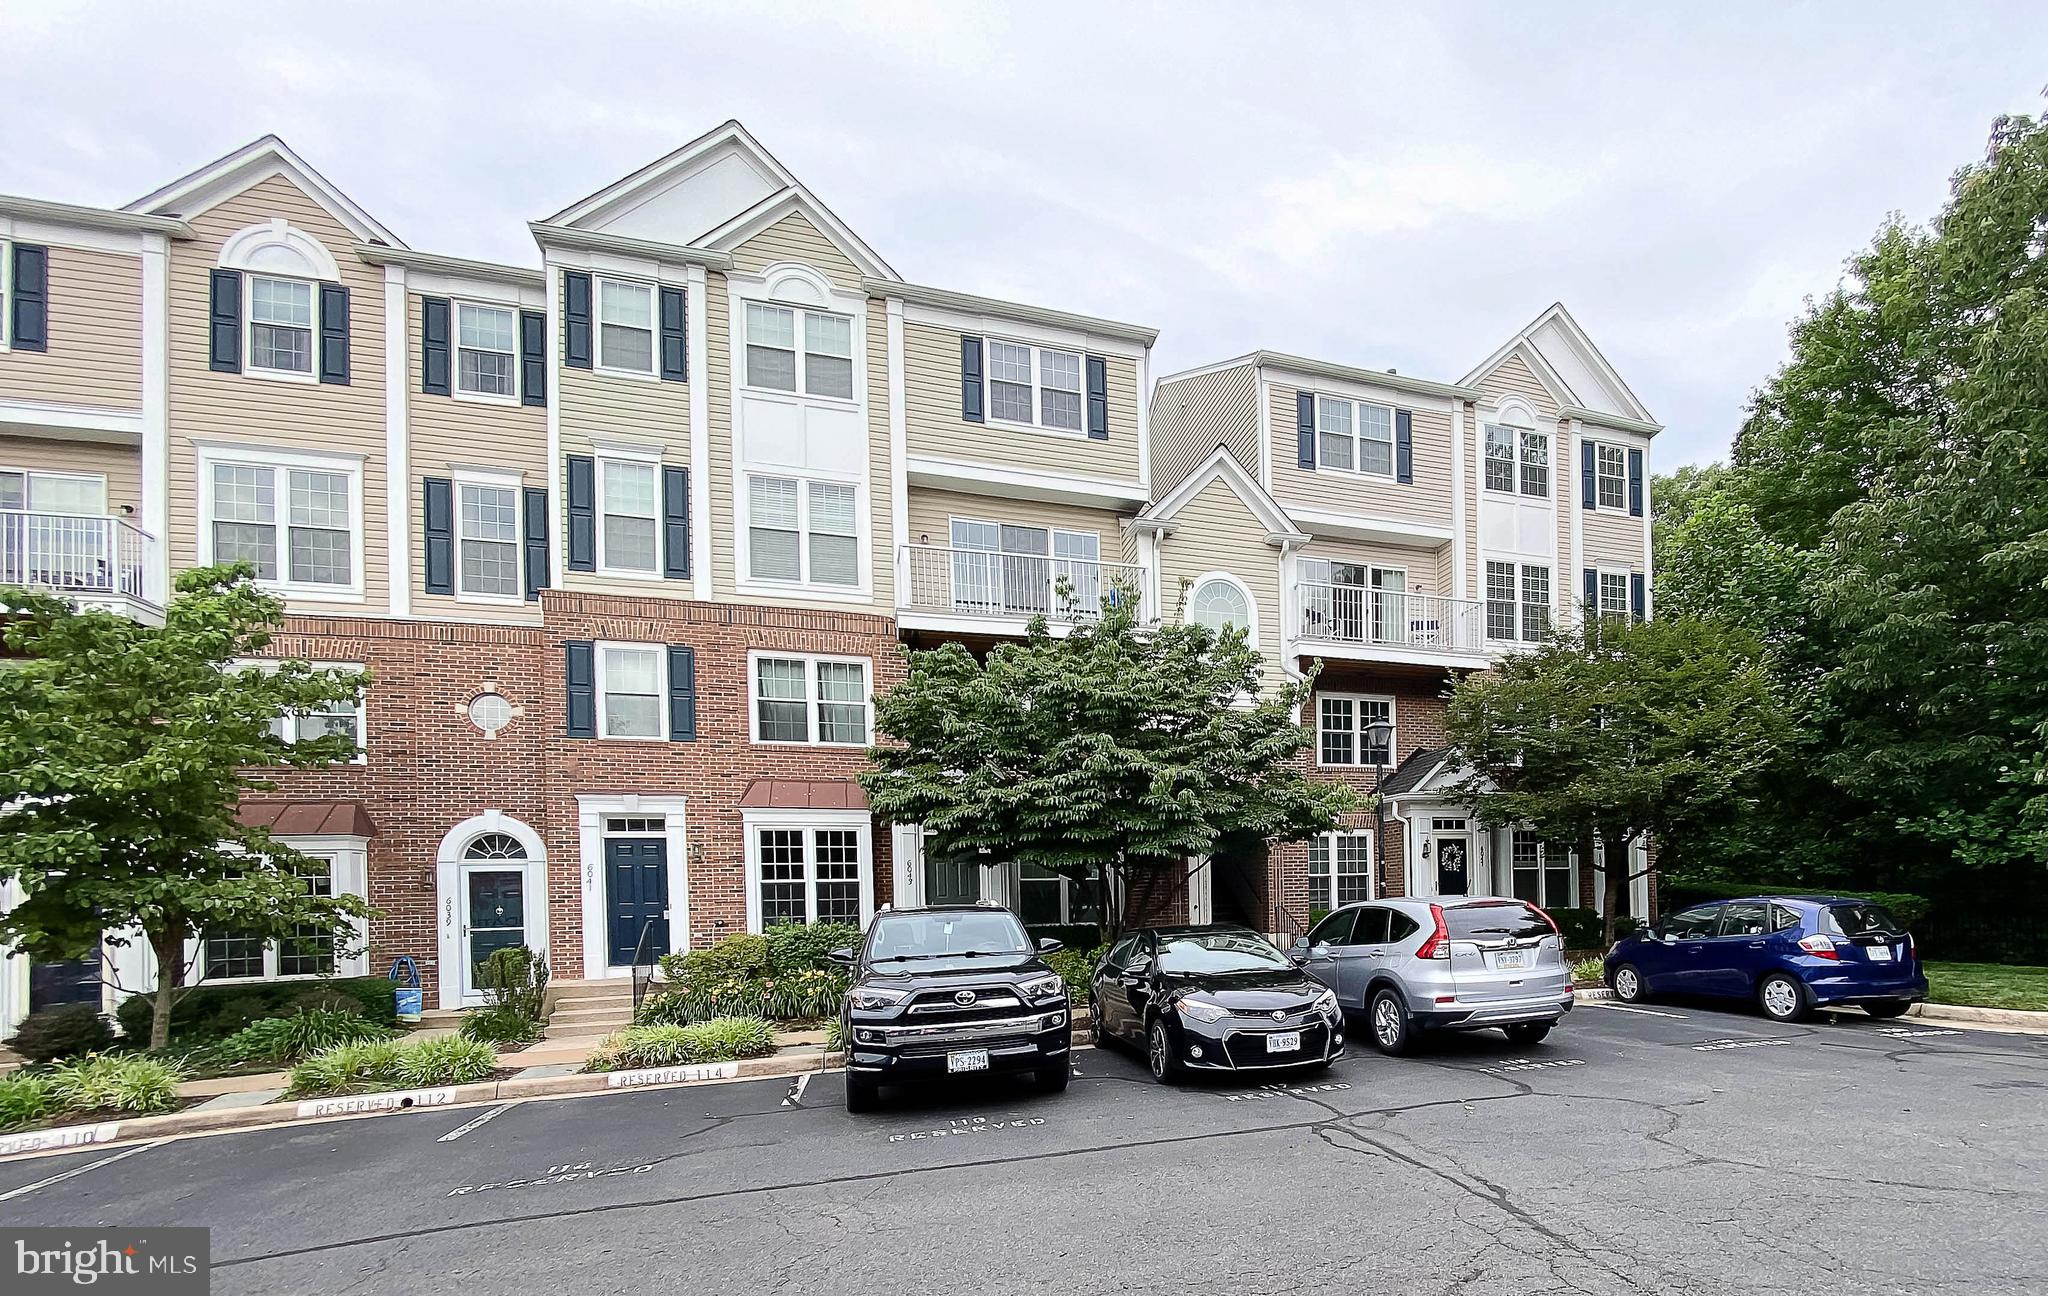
column 307, row 951
column 1339, row 869
column 820, row 700
column 1348, row 732
column 280, row 325
column 806, row 874
column 1614, row 595
column 486, row 350
column 1356, row 436
column 792, row 350
column 1035, row 386
column 625, row 326
column 802, row 530
column 1542, row 876
column 1517, row 601
column 346, row 717
column 1610, row 469
column 487, row 540
column 1517, row 460
column 1049, row 899
column 629, row 521
column 630, row 688
column 297, row 526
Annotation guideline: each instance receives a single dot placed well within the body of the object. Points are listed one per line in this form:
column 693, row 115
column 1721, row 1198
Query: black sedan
column 1215, row 998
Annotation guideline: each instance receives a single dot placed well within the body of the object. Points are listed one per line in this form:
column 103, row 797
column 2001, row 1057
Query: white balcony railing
column 90, row 557
column 977, row 582
column 1354, row 614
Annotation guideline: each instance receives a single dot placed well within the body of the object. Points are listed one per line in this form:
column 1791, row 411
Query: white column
column 699, row 361
column 1458, row 575
column 1574, row 580
column 397, row 448
column 899, row 451
column 156, row 423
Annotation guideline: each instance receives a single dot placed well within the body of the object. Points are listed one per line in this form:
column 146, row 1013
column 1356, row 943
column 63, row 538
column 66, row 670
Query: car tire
column 1159, row 1056
column 1887, row 1011
column 1053, row 1079
column 1628, row 984
column 1096, row 1035
column 1388, row 1024
column 863, row 1092
column 1783, row 998
column 1524, row 1034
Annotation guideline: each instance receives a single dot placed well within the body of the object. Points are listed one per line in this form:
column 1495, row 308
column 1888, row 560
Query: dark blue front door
column 636, row 889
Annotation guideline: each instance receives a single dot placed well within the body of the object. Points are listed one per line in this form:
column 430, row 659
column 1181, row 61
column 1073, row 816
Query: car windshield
column 946, row 934
column 1219, row 951
column 1494, row 922
column 1863, row 919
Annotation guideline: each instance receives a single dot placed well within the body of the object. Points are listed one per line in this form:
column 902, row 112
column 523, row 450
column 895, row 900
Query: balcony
column 1358, row 623
column 976, row 591
column 96, row 562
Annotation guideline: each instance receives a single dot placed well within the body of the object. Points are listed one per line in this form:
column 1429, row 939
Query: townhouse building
column 630, row 539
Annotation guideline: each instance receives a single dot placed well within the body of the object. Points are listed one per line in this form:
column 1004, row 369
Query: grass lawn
column 1988, row 985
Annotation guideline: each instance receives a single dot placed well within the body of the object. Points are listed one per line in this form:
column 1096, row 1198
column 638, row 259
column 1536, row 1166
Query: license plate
column 967, row 1060
column 1509, row 960
column 1283, row 1042
column 1880, row 953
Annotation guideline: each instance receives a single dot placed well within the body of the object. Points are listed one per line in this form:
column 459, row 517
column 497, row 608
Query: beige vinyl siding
column 1426, row 565
column 794, row 238
column 1215, row 531
column 245, row 410
column 1513, row 376
column 1192, row 416
column 446, row 432
column 95, row 340
column 1426, row 500
column 1613, row 539
column 120, row 465
column 931, row 357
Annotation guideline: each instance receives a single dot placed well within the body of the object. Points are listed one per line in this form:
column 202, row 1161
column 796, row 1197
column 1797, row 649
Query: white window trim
column 1038, row 388
column 30, row 474
column 1518, row 563
column 456, row 348
column 606, row 457
column 810, row 661
column 752, row 822
column 1627, row 610
column 291, row 723
column 652, row 373
column 660, row 651
column 6, row 295
column 1067, row 888
column 450, row 860
column 1358, row 725
column 1542, row 858
column 803, row 477
column 279, row 460
column 493, row 480
column 249, row 365
column 1621, row 509
column 1372, row 868
column 1251, row 604
column 802, row 322
column 1393, row 438
column 591, row 813
column 348, row 867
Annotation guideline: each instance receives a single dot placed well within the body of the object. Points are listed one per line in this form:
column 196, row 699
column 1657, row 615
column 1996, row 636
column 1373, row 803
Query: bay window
column 804, row 869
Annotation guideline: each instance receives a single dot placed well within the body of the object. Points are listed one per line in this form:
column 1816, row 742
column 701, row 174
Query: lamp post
column 1380, row 734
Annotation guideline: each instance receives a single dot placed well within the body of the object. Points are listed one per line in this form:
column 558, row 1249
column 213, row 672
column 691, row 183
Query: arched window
column 495, row 846
column 1218, row 603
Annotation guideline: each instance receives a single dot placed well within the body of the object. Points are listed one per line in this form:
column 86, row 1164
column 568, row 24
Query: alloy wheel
column 1157, row 1052
column 1386, row 1021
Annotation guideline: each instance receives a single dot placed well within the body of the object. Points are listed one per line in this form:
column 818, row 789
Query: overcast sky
column 1383, row 187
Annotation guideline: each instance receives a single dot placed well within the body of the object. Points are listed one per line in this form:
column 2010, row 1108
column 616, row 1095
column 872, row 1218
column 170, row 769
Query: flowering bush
column 782, row 976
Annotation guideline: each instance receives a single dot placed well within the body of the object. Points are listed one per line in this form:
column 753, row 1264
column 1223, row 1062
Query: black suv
column 950, row 990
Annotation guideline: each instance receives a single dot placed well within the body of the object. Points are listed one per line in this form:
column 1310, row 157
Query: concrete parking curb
column 2010, row 1018
column 1591, row 994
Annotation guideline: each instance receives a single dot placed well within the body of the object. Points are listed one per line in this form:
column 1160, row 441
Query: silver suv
column 1456, row 964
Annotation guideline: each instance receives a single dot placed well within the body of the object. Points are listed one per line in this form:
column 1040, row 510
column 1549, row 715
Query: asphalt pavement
column 1675, row 1149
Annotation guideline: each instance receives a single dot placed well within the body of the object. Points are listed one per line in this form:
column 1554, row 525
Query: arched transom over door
column 493, row 884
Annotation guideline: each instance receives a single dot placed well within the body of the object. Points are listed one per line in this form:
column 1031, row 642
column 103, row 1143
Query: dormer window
column 280, row 325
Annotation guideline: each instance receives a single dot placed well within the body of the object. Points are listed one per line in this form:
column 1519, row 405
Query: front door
column 952, row 881
column 1453, row 858
column 494, row 916
column 636, row 894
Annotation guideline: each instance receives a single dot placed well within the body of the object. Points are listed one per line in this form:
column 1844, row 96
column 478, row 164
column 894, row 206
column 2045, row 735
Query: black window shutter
column 675, row 363
column 970, row 379
column 1635, row 483
column 535, row 534
column 31, row 298
column 1305, row 428
column 1098, row 398
column 576, row 319
column 582, row 513
column 675, row 523
column 438, row 510
column 533, row 358
column 1404, row 446
column 1592, row 592
column 1588, row 488
column 434, row 346
column 334, row 333
column 1638, row 595
column 580, row 671
column 224, row 322
column 682, row 694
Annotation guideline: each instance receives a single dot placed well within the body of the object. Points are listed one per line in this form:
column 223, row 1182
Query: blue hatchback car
column 1789, row 954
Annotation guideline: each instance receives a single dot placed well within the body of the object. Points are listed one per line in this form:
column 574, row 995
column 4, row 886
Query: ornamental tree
column 125, row 750
column 1114, row 751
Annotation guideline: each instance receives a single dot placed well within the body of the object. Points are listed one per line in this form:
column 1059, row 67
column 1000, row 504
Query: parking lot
column 1677, row 1148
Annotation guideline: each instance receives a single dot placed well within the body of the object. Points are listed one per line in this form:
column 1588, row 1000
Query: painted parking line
column 486, row 1118
column 1631, row 1008
column 76, row 1171
column 795, row 1096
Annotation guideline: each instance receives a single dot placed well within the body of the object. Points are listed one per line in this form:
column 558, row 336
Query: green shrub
column 24, row 1098
column 500, row 1024
column 215, row 1012
column 1587, row 971
column 794, row 947
column 56, row 1033
column 835, row 1035
column 516, row 978
column 1077, row 968
column 290, row 1039
column 815, row 992
column 345, row 1068
column 722, row 1039
column 1581, row 928
column 115, row 1082
column 744, row 955
column 448, row 1060
column 389, row 1064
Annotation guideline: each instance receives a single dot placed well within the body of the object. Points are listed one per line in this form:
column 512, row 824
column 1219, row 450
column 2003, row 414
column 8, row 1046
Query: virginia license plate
column 1880, row 953
column 967, row 1060
column 1283, row 1042
column 1509, row 960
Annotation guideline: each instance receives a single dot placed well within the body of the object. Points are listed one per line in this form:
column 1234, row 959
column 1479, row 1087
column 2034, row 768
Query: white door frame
column 448, row 881
column 1201, row 889
column 591, row 812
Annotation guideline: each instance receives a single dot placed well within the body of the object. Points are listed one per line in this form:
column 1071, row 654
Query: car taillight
column 1438, row 946
column 1910, row 951
column 1819, row 946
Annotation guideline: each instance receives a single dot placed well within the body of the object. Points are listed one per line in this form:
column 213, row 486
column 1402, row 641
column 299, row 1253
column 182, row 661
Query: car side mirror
column 843, row 957
column 1138, row 966
column 1049, row 946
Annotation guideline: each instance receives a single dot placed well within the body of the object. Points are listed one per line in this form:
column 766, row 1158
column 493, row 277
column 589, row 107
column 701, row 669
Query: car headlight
column 1202, row 1010
column 874, row 998
column 1326, row 1003
column 1049, row 986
